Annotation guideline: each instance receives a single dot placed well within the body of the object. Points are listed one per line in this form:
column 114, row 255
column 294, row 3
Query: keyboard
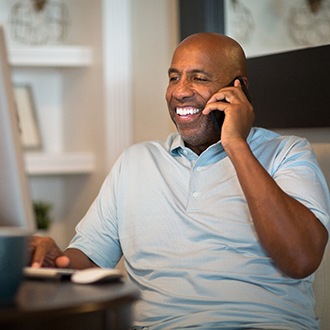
column 48, row 273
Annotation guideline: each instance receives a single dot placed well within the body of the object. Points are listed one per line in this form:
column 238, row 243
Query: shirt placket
column 195, row 190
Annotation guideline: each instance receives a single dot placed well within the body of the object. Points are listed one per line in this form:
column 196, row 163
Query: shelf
column 50, row 56
column 38, row 163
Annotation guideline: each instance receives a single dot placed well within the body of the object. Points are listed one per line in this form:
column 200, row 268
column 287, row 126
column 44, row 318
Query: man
column 216, row 234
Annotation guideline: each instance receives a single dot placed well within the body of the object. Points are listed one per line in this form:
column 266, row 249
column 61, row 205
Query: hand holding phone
column 217, row 122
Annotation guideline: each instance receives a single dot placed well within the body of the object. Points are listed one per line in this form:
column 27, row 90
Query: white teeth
column 187, row 111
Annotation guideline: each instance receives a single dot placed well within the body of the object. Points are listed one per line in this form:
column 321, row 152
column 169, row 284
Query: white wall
column 154, row 36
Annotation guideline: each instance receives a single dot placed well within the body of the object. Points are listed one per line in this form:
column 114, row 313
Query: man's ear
column 246, row 81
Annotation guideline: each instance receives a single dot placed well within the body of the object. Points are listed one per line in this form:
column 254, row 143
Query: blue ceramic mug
column 12, row 260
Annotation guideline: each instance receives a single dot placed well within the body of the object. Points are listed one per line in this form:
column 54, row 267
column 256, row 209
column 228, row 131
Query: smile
column 187, row 111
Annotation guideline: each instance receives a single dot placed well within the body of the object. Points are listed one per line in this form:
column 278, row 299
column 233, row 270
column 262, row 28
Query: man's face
column 194, row 76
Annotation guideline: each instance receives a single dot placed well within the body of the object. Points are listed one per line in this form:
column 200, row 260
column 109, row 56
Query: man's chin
column 196, row 138
column 190, row 139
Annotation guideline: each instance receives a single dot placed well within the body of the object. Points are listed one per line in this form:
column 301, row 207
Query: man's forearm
column 293, row 237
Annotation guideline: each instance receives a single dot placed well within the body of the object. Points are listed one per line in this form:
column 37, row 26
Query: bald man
column 223, row 224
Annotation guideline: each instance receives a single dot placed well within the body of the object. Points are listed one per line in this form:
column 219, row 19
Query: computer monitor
column 16, row 210
column 15, row 202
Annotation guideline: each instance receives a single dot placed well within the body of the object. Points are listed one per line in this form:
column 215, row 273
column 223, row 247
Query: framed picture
column 28, row 123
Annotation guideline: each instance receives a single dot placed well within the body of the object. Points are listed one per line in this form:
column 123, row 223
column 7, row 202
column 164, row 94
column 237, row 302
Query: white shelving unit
column 51, row 56
column 59, row 163
column 39, row 163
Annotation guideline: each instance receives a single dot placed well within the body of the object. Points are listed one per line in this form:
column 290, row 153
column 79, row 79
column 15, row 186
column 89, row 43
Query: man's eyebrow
column 172, row 70
column 191, row 72
column 197, row 71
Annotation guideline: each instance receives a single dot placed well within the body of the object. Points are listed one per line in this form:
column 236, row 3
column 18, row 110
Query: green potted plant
column 42, row 214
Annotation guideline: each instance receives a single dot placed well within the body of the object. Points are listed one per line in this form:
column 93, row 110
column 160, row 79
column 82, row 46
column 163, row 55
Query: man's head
column 202, row 64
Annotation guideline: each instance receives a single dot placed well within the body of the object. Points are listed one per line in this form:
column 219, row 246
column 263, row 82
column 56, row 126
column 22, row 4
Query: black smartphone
column 217, row 122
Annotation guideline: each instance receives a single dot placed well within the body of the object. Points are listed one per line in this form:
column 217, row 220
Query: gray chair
column 322, row 276
column 322, row 291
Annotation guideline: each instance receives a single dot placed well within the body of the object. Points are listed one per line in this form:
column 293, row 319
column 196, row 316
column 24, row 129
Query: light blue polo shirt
column 182, row 223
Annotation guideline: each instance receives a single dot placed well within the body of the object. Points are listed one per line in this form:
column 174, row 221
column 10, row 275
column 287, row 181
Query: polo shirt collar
column 211, row 155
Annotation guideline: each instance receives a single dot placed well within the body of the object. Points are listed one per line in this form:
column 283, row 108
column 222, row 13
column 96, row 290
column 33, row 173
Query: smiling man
column 221, row 226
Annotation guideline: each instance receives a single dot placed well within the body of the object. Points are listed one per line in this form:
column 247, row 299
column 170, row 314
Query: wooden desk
column 63, row 305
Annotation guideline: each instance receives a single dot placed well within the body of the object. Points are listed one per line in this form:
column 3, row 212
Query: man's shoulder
column 147, row 148
column 263, row 135
column 266, row 141
column 151, row 146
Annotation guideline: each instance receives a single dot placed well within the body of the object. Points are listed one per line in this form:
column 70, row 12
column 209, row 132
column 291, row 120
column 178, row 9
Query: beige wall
column 155, row 35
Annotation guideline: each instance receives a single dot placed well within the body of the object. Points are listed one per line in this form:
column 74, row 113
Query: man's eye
column 201, row 79
column 174, row 78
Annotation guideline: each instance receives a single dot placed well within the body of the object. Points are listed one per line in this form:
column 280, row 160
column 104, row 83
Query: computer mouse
column 96, row 275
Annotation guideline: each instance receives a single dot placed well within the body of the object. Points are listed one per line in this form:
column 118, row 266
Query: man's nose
column 183, row 89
